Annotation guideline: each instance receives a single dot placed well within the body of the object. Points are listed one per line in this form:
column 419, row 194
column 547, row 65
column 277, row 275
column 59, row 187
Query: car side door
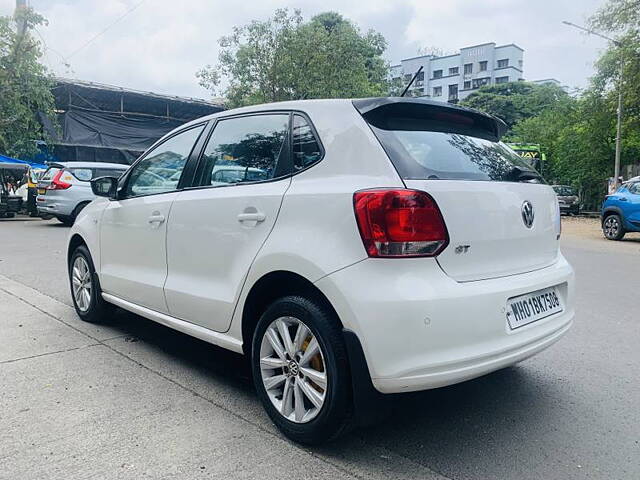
column 631, row 207
column 217, row 228
column 133, row 229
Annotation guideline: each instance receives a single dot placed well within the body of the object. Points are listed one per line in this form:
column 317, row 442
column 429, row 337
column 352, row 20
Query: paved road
column 133, row 399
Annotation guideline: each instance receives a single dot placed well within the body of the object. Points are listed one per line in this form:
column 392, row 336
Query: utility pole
column 616, row 169
column 22, row 24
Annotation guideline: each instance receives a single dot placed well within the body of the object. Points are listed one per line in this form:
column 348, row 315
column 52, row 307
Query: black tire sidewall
column 96, row 309
column 333, row 418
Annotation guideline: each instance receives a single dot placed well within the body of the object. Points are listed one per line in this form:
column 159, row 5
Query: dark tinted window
column 108, row 172
column 246, row 149
column 160, row 170
column 306, row 149
column 418, row 152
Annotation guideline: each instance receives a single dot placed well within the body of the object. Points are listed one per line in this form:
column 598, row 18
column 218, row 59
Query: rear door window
column 246, row 149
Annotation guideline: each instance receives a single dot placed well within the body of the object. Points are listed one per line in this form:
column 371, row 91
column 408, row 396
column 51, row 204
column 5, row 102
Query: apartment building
column 453, row 77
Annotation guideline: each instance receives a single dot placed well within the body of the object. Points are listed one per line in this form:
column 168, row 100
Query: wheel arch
column 611, row 211
column 74, row 242
column 270, row 287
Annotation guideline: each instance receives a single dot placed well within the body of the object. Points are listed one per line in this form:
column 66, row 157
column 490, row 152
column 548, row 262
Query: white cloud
column 161, row 44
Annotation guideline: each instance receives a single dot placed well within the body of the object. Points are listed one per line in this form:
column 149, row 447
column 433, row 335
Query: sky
column 160, row 44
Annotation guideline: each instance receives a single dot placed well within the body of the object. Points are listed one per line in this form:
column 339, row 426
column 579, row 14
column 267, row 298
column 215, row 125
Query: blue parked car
column 621, row 211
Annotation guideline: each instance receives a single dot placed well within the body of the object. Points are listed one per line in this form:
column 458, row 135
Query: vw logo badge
column 527, row 214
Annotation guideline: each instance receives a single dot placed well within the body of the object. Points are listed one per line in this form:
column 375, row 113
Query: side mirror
column 104, row 186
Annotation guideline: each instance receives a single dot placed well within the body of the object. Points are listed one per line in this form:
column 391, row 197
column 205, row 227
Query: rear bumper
column 50, row 205
column 419, row 329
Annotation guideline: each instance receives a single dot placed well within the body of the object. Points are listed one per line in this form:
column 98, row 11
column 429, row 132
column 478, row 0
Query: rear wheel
column 67, row 221
column 612, row 227
column 301, row 371
column 85, row 289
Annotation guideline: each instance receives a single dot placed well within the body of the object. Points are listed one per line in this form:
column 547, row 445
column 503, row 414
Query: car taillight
column 57, row 184
column 400, row 223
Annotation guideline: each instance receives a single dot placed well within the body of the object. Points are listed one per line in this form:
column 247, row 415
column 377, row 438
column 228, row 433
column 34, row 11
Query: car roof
column 88, row 165
column 362, row 104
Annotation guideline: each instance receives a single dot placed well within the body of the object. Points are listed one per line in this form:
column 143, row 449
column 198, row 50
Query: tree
column 515, row 101
column 25, row 86
column 285, row 58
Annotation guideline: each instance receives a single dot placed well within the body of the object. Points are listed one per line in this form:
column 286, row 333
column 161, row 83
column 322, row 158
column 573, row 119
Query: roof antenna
column 411, row 82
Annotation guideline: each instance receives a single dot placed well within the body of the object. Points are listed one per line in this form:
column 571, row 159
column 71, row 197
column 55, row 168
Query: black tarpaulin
column 113, row 130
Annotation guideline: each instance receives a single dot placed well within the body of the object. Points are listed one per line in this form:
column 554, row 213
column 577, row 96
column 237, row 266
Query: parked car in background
column 621, row 211
column 568, row 199
column 349, row 248
column 65, row 188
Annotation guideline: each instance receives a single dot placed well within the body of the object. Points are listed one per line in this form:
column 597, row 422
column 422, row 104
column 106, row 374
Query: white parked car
column 371, row 247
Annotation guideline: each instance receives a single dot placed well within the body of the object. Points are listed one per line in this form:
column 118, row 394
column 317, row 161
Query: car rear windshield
column 50, row 173
column 422, row 149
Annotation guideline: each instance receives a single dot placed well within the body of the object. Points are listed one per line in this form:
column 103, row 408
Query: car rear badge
column 527, row 214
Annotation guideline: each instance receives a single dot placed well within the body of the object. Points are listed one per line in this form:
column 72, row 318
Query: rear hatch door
column 501, row 217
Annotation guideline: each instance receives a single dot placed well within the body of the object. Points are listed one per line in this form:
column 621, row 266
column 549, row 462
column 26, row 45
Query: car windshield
column 564, row 190
column 50, row 173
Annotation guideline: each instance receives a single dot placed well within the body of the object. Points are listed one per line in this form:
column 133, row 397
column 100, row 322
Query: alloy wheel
column 611, row 226
column 81, row 282
column 293, row 369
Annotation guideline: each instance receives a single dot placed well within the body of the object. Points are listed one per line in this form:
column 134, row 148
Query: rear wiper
column 518, row 174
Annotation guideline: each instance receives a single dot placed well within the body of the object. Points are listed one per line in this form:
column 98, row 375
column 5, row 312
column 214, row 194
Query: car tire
column 85, row 288
column 66, row 221
column 612, row 227
column 307, row 412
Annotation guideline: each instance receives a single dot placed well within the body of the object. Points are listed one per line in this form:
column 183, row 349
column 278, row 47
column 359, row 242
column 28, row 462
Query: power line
column 101, row 32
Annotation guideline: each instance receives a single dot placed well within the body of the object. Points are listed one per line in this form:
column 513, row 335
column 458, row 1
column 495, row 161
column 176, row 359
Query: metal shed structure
column 105, row 123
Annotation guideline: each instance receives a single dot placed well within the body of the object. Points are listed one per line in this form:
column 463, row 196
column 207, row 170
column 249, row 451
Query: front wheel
column 612, row 227
column 301, row 371
column 85, row 289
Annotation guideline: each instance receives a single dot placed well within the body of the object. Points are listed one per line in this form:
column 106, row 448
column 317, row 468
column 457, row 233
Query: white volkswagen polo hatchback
column 348, row 248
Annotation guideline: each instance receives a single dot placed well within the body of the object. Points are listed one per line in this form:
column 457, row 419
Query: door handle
column 252, row 217
column 156, row 218
column 623, row 199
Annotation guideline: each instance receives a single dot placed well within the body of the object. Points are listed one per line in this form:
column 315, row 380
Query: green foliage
column 25, row 86
column 286, row 58
column 515, row 101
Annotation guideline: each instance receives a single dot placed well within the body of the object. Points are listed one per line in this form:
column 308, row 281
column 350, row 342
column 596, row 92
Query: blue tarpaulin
column 4, row 159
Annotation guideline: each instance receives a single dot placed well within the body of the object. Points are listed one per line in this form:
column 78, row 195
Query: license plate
column 533, row 306
column 41, row 191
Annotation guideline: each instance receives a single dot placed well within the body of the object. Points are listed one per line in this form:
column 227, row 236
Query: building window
column 483, row 66
column 478, row 82
column 437, row 74
column 420, row 76
column 502, row 79
column 437, row 91
column 468, row 68
column 503, row 63
column 467, row 85
column 453, row 71
column 453, row 92
column 407, row 77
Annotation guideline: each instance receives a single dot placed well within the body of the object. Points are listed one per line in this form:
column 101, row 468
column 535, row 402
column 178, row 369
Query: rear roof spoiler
column 439, row 116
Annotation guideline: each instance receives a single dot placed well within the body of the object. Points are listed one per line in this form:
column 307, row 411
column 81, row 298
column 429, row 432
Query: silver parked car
column 65, row 188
